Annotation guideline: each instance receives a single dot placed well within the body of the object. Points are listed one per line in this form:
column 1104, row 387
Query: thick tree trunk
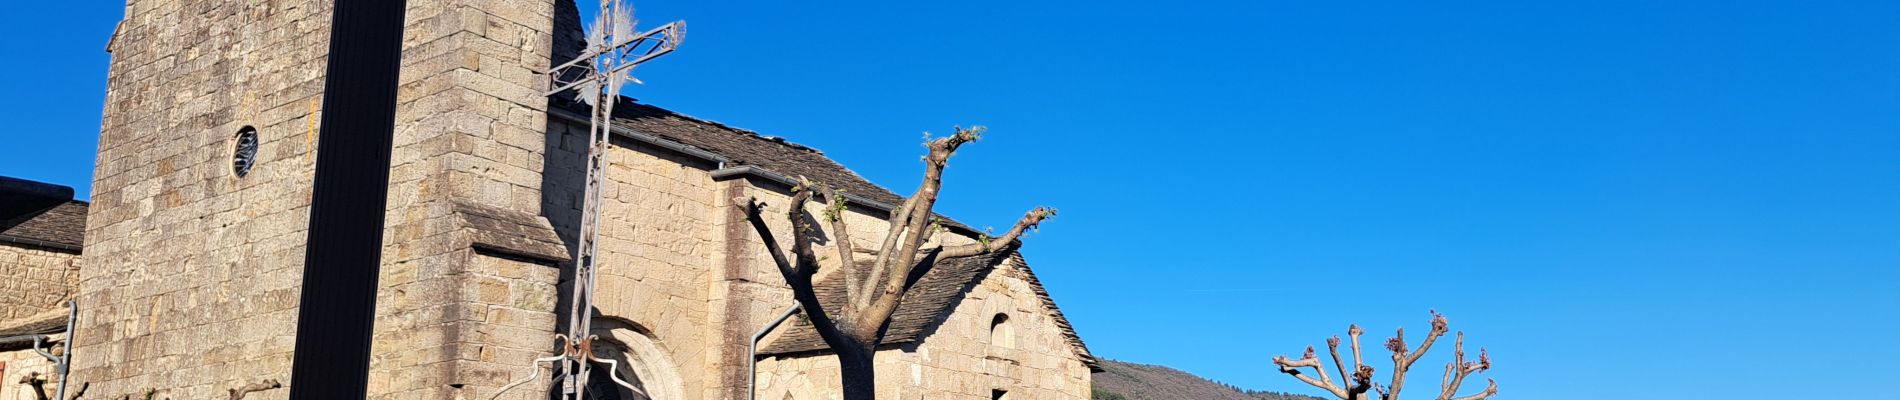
column 858, row 373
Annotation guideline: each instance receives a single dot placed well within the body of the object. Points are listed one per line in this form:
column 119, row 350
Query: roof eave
column 41, row 243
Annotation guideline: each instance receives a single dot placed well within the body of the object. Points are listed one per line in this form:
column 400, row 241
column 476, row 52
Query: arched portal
column 639, row 360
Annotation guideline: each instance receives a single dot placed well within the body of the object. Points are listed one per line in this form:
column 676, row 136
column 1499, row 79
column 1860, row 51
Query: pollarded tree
column 1402, row 359
column 853, row 330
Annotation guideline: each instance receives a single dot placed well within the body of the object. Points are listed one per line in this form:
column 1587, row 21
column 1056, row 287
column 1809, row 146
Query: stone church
column 193, row 242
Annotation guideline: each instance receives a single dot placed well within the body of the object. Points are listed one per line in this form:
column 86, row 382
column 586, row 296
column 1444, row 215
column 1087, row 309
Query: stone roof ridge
column 780, row 140
column 740, row 147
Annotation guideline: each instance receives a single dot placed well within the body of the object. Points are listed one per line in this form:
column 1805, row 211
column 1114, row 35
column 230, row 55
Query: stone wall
column 656, row 249
column 191, row 279
column 193, row 274
column 958, row 359
column 38, row 279
column 464, row 308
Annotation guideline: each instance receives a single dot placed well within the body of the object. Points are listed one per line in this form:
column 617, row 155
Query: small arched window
column 1002, row 334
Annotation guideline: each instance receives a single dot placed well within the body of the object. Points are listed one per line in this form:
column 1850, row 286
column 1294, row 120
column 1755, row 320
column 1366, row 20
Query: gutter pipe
column 40, row 243
column 66, row 357
column 752, row 354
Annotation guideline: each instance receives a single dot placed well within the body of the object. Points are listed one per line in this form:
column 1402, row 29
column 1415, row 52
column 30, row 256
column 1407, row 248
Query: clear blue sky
column 1627, row 199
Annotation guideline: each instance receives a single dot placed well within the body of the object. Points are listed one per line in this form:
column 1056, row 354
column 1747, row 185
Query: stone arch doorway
column 641, row 360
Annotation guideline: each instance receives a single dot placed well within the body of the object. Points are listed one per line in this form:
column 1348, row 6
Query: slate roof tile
column 63, row 227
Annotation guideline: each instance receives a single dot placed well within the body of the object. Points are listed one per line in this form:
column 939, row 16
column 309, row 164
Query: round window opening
column 244, row 153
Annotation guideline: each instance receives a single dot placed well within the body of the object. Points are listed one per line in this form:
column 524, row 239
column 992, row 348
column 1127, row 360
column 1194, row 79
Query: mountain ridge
column 1122, row 380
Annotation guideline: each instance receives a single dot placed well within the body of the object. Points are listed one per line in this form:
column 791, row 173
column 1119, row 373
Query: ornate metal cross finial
column 595, row 77
column 613, row 49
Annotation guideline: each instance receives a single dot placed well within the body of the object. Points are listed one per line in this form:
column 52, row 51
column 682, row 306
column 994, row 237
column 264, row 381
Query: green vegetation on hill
column 1129, row 381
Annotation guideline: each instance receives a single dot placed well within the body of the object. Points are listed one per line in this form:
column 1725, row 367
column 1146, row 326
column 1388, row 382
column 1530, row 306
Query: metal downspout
column 752, row 354
column 66, row 357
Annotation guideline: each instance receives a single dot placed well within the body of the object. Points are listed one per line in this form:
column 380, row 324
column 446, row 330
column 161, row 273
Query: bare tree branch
column 1403, row 359
column 908, row 221
column 1292, row 367
column 1310, row 358
column 1458, row 369
column 1445, row 385
column 795, row 276
column 835, row 205
column 1439, row 327
column 1353, row 331
column 802, row 231
column 896, row 263
column 885, row 303
column 1455, row 370
column 1491, row 389
column 894, row 231
column 986, row 244
column 1360, row 380
column 1332, row 346
column 1397, row 345
column 753, row 211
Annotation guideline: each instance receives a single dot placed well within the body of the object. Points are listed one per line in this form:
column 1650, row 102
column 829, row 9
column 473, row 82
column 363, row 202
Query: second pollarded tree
column 1360, row 376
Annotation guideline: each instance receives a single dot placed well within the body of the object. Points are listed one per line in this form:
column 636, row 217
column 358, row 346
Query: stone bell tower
column 196, row 236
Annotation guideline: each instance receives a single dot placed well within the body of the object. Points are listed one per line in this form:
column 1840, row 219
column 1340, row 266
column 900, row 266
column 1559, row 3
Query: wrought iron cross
column 595, row 78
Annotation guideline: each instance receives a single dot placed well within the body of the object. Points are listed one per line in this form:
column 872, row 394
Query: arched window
column 1001, row 333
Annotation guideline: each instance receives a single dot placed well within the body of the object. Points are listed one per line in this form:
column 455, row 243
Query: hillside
column 1129, row 381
